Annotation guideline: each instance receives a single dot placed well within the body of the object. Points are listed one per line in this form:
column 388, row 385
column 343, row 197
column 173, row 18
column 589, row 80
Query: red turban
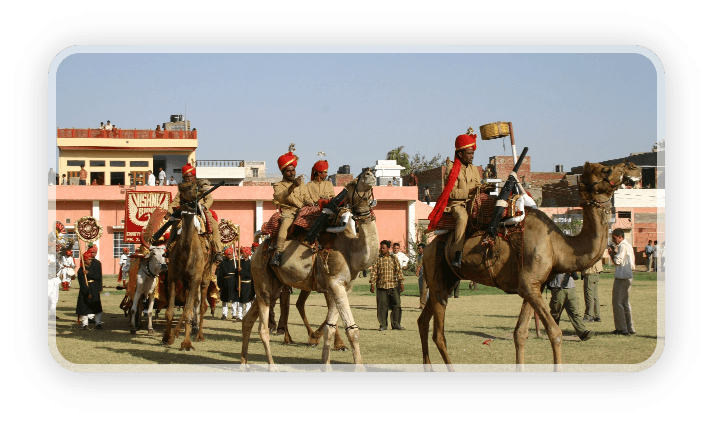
column 245, row 250
column 319, row 166
column 228, row 251
column 93, row 250
column 463, row 141
column 126, row 250
column 69, row 252
column 87, row 255
column 188, row 169
column 287, row 159
column 256, row 244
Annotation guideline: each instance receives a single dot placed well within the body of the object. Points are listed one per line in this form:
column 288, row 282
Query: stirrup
column 457, row 260
column 441, row 231
column 337, row 228
column 277, row 259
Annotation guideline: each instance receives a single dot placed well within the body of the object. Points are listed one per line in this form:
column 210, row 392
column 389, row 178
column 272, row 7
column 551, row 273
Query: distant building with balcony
column 235, row 172
column 125, row 156
column 388, row 171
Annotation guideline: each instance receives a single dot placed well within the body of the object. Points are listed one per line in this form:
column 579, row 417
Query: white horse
column 146, row 281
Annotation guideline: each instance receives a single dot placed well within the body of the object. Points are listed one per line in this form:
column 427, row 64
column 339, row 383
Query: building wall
column 391, row 221
column 505, row 164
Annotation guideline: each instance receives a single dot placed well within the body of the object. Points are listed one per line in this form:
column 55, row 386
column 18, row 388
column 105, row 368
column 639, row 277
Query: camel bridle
column 367, row 196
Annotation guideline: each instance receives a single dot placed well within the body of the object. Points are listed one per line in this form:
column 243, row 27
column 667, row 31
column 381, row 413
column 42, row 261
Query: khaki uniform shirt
column 387, row 273
column 594, row 269
column 321, row 190
column 290, row 200
column 206, row 201
column 468, row 179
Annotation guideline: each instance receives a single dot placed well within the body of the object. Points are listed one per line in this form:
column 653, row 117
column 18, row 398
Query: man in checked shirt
column 389, row 280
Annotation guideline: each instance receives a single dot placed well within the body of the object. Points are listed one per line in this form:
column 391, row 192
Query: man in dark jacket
column 228, row 283
column 90, row 287
column 246, row 286
column 564, row 297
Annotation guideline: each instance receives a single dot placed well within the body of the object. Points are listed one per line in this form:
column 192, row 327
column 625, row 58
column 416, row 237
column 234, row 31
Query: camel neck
column 365, row 247
column 583, row 250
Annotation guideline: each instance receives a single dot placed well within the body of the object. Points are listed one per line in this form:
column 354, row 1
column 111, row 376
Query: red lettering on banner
column 139, row 206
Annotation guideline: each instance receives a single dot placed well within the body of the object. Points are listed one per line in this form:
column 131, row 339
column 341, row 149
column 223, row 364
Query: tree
column 420, row 164
column 401, row 158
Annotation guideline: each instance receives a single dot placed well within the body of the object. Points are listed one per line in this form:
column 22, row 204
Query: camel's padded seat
column 484, row 206
column 306, row 216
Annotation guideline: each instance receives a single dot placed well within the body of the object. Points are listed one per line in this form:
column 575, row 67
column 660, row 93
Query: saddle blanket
column 306, row 216
column 487, row 206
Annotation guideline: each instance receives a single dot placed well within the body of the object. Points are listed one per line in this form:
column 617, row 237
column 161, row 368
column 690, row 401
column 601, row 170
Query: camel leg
column 204, row 307
column 248, row 322
column 132, row 319
column 521, row 334
column 301, row 300
column 284, row 314
column 554, row 333
column 339, row 294
column 424, row 320
column 330, row 327
column 263, row 329
column 151, row 299
column 439, row 317
column 168, row 337
column 188, row 315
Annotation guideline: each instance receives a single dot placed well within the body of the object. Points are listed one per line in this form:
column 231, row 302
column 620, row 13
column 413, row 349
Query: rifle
column 503, row 196
column 177, row 213
column 327, row 212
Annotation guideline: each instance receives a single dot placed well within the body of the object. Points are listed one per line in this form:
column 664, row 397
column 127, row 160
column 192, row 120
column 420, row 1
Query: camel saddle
column 305, row 218
column 481, row 207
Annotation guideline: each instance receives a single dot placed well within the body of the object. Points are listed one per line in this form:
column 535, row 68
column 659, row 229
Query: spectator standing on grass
column 422, row 287
column 389, row 281
column 161, row 176
column 591, row 292
column 152, row 179
column 401, row 256
column 66, row 263
column 623, row 257
column 656, row 255
column 82, row 175
column 649, row 253
column 564, row 297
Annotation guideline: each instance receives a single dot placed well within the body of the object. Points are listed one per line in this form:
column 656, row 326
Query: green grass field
column 474, row 317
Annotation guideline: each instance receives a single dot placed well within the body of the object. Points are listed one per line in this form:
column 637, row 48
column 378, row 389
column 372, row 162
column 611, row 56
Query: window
column 117, row 178
column 255, row 172
column 624, row 214
column 119, row 244
column 67, row 221
column 75, row 163
column 119, row 163
column 97, row 163
column 139, row 164
column 75, row 247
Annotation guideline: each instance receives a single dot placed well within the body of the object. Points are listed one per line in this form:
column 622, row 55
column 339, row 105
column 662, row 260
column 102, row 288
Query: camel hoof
column 151, row 331
column 280, row 332
column 200, row 338
column 341, row 349
column 187, row 346
column 132, row 331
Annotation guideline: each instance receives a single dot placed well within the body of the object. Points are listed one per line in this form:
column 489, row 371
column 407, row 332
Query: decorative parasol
column 88, row 230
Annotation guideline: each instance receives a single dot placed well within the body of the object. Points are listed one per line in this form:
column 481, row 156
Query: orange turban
column 319, row 166
column 287, row 159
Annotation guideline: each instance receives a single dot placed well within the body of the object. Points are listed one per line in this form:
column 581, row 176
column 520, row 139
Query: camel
column 330, row 271
column 146, row 281
column 546, row 252
column 189, row 262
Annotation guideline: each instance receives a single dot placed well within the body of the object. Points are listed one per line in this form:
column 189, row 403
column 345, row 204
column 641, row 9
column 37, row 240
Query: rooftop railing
column 210, row 163
column 119, row 133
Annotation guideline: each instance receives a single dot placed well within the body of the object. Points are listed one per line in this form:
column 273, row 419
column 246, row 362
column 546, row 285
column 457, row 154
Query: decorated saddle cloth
column 482, row 212
column 305, row 218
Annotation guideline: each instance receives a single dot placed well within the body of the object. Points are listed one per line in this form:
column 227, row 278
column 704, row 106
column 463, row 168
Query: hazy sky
column 567, row 108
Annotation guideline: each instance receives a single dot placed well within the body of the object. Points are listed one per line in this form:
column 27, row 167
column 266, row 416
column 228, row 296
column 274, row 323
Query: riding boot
column 277, row 259
column 171, row 237
column 457, row 259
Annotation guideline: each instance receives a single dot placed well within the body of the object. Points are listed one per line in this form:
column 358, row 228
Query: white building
column 388, row 170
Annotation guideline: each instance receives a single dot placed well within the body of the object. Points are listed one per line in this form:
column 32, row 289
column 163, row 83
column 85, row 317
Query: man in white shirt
column 401, row 256
column 152, row 179
column 161, row 176
column 623, row 257
column 172, row 181
column 108, row 126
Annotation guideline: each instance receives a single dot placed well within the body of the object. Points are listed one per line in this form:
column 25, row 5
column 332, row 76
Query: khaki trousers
column 591, row 296
column 621, row 306
column 286, row 220
column 566, row 299
column 217, row 243
column 649, row 262
column 461, row 217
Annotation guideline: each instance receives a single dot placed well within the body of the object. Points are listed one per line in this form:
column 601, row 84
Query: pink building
column 397, row 212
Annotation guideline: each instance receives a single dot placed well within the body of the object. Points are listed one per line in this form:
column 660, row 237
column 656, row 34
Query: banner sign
column 139, row 206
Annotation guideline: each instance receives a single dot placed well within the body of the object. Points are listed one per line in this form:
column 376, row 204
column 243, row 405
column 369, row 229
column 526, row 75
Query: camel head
column 189, row 193
column 598, row 182
column 157, row 263
column 360, row 190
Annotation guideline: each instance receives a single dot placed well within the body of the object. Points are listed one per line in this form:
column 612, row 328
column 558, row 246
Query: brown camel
column 189, row 262
column 331, row 271
column 546, row 252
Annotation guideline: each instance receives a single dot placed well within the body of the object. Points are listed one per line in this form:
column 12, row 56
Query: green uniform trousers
column 591, row 295
column 566, row 299
column 388, row 299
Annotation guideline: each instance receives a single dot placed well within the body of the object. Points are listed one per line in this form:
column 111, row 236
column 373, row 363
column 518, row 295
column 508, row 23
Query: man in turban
column 90, row 286
column 246, row 288
column 320, row 188
column 463, row 179
column 290, row 195
column 228, row 283
column 189, row 175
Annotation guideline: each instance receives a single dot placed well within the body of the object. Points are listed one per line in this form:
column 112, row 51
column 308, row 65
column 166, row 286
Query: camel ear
column 587, row 168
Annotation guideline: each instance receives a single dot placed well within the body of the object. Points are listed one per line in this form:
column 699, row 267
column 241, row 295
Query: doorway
column 99, row 176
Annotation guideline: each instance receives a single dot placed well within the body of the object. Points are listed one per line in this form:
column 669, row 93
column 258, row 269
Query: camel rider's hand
column 372, row 288
column 297, row 181
column 167, row 216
